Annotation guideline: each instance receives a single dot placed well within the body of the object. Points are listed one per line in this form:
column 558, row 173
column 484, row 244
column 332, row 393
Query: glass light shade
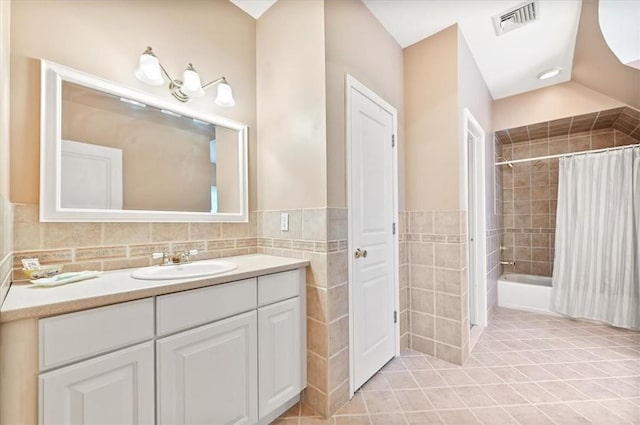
column 191, row 84
column 225, row 96
column 149, row 70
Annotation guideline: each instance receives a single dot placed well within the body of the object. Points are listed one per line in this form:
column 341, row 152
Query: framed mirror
column 110, row 153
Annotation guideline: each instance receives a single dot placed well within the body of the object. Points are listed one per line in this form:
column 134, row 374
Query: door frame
column 352, row 83
column 471, row 125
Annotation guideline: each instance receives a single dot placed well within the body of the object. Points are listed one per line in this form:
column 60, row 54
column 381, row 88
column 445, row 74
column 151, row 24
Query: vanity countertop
column 27, row 301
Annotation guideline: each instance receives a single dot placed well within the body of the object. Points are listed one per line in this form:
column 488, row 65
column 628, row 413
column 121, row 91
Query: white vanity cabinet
column 86, row 377
column 116, row 388
column 227, row 354
column 209, row 375
column 280, row 333
column 239, row 370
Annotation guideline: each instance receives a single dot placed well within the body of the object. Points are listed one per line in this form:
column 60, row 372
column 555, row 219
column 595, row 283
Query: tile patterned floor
column 525, row 369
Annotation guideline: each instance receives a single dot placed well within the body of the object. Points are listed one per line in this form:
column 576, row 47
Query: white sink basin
column 185, row 271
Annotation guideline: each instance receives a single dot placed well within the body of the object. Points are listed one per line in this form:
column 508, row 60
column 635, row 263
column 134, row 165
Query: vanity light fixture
column 549, row 73
column 150, row 71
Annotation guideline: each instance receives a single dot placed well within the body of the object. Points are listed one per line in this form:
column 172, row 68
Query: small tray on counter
column 64, row 278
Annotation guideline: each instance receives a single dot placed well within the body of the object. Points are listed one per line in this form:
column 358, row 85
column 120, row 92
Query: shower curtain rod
column 539, row 158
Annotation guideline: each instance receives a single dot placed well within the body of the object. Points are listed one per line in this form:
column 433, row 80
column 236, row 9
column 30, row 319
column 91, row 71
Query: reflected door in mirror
column 91, row 176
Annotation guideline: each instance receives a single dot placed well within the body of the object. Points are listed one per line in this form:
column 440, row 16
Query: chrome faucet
column 508, row 263
column 169, row 259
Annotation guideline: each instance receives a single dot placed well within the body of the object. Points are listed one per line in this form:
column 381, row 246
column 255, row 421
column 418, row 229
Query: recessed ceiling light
column 549, row 73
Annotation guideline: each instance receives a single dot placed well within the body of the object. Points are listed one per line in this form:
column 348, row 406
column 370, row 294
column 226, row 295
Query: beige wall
column 6, row 231
column 357, row 44
column 431, row 122
column 291, row 106
column 98, row 38
column 474, row 95
column 554, row 102
column 595, row 65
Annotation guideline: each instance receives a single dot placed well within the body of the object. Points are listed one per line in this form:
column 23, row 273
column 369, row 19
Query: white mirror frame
column 52, row 75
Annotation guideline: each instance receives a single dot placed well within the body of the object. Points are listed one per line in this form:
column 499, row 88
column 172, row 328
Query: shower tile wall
column 495, row 230
column 530, row 189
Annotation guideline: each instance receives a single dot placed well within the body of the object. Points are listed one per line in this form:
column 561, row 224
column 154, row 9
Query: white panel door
column 116, row 388
column 209, row 375
column 91, row 176
column 372, row 240
column 279, row 346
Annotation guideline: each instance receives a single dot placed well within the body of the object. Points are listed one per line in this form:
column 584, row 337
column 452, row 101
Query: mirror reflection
column 121, row 154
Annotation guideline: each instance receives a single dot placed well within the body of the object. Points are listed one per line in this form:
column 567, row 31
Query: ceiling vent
column 516, row 17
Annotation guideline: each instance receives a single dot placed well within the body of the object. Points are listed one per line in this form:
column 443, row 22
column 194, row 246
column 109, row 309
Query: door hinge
column 394, row 228
column 393, row 140
column 395, row 317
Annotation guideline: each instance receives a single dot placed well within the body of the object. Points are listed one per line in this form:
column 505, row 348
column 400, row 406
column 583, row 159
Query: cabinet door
column 279, row 345
column 209, row 375
column 116, row 388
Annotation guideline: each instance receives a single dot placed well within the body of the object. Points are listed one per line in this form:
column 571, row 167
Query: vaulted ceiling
column 565, row 34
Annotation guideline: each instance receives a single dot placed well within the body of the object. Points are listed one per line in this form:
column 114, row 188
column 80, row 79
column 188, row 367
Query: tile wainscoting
column 319, row 235
column 438, row 289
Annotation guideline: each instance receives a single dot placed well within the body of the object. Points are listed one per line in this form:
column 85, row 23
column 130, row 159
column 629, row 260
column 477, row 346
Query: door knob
column 361, row 253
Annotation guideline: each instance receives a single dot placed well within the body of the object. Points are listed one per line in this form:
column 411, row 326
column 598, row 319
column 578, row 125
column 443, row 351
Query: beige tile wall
column 438, row 295
column 495, row 230
column 403, row 232
column 319, row 235
column 109, row 246
column 530, row 192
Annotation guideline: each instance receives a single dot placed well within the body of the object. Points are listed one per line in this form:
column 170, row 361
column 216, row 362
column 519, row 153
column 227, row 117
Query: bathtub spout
column 508, row 263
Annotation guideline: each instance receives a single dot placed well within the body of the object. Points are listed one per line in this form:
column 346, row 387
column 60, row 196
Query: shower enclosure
column 529, row 187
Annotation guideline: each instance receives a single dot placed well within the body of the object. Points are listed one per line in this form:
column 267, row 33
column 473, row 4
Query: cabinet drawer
column 279, row 286
column 188, row 309
column 75, row 336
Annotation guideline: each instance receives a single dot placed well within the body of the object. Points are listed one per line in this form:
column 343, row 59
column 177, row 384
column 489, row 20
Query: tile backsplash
column 109, row 246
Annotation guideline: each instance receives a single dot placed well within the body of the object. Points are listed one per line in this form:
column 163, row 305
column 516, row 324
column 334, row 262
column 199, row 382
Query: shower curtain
column 596, row 270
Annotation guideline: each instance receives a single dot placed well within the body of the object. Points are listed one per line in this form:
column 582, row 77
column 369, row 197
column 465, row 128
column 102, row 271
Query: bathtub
column 525, row 292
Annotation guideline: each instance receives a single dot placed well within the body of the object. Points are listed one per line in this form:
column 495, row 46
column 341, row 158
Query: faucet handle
column 191, row 252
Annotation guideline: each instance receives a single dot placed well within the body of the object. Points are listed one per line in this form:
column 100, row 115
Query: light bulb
column 149, row 69
column 191, row 84
column 225, row 96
